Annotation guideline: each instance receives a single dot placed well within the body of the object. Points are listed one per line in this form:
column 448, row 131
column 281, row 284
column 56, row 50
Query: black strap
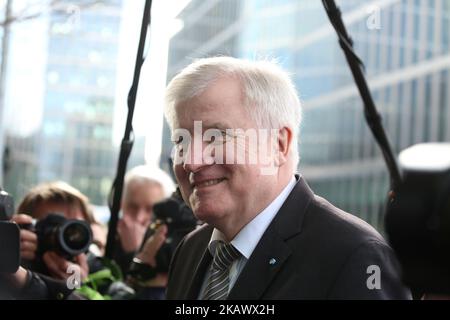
column 115, row 194
column 372, row 116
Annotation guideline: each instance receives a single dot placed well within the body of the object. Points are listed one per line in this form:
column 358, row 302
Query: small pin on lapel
column 272, row 261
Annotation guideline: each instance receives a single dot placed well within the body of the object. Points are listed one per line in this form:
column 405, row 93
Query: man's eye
column 212, row 139
column 219, row 138
column 178, row 140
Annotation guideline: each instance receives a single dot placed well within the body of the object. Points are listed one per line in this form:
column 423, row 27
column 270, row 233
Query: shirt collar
column 247, row 239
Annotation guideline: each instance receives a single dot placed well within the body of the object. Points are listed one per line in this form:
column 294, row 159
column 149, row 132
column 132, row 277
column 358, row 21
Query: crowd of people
column 44, row 271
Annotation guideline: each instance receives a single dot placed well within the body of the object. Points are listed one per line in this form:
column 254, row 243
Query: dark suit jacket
column 321, row 252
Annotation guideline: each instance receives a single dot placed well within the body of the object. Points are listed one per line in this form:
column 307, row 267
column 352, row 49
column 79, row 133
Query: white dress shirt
column 247, row 239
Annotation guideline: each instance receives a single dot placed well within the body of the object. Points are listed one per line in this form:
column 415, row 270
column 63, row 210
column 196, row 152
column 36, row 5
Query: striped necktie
column 219, row 277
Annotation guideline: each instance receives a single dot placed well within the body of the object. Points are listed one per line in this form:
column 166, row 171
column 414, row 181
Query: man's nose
column 143, row 215
column 195, row 157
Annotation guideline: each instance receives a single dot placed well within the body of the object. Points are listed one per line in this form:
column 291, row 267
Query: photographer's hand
column 131, row 233
column 28, row 239
column 58, row 266
column 152, row 245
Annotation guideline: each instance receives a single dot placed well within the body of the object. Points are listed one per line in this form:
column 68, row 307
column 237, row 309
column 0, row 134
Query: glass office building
column 404, row 45
column 74, row 141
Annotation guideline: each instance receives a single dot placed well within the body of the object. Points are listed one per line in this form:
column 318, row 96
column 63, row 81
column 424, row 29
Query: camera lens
column 76, row 236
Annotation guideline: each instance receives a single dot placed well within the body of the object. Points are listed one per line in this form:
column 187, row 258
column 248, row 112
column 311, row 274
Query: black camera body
column 418, row 219
column 9, row 247
column 9, row 236
column 179, row 219
column 66, row 237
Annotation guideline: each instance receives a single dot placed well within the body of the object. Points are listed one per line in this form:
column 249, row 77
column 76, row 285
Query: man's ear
column 284, row 141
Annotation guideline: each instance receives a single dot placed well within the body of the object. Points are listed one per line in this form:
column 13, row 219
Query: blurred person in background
column 143, row 187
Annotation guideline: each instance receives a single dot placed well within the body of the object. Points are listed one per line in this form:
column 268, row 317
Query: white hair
column 269, row 94
column 152, row 175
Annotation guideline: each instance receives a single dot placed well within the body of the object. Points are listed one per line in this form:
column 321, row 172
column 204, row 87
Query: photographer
column 17, row 282
column 148, row 272
column 154, row 287
column 143, row 187
column 40, row 203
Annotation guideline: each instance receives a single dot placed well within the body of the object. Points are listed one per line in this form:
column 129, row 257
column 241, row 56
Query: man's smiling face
column 220, row 193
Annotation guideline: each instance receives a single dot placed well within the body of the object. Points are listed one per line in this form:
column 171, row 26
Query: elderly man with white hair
column 143, row 187
column 235, row 127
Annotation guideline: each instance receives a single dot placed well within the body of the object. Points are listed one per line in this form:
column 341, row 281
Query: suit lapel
column 265, row 262
column 199, row 263
column 199, row 275
column 272, row 251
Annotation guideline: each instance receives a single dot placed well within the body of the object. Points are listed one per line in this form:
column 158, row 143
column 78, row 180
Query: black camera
column 179, row 219
column 418, row 219
column 9, row 236
column 66, row 237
